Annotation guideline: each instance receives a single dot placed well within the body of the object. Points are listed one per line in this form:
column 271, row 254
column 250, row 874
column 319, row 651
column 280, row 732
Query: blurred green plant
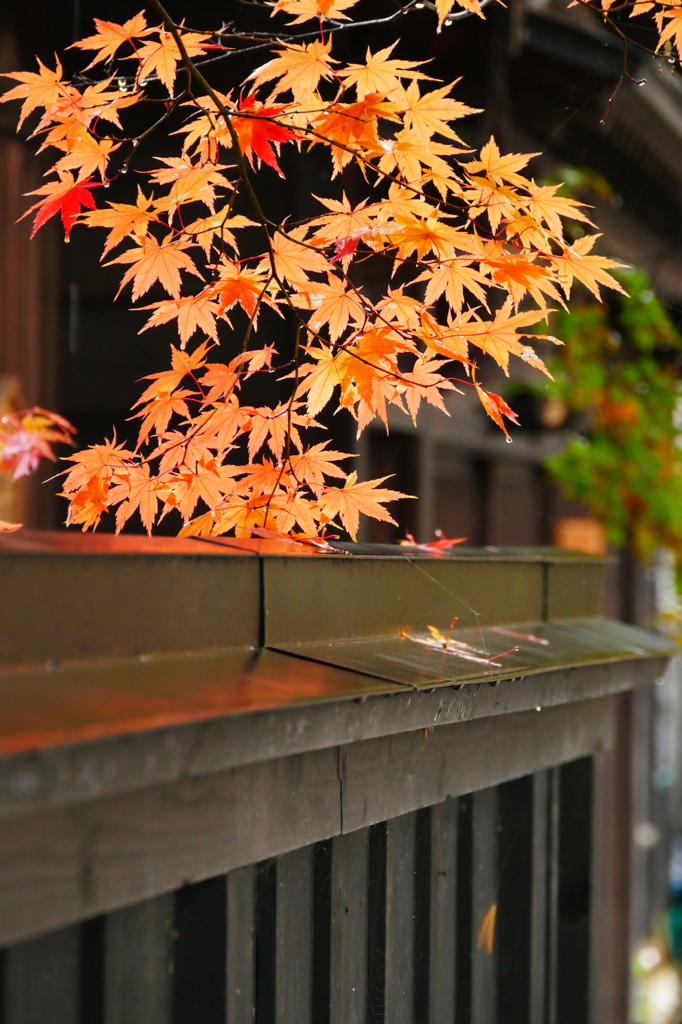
column 617, row 381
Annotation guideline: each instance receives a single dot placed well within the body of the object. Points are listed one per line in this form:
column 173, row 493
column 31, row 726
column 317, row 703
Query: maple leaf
column 546, row 205
column 444, row 7
column 190, row 183
column 672, row 30
column 500, row 337
column 99, row 461
column 183, row 363
column 312, row 465
column 239, row 285
column 156, row 414
column 299, row 68
column 259, row 133
column 351, row 500
column 275, row 426
column 500, row 168
column 193, row 312
column 161, row 58
column 379, row 74
column 424, row 381
column 496, row 408
column 110, row 36
column 153, row 261
column 37, row 90
column 353, row 125
column 430, row 113
column 86, row 153
column 337, row 308
column 218, row 226
column 6, row 527
column 293, row 260
column 319, row 379
column 64, row 197
column 307, row 9
column 138, row 492
column 450, row 278
column 589, row 270
column 123, row 219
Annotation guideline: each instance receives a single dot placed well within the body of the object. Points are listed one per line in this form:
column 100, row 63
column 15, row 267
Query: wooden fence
column 238, row 786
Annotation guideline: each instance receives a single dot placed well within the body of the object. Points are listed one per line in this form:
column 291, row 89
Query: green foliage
column 618, row 375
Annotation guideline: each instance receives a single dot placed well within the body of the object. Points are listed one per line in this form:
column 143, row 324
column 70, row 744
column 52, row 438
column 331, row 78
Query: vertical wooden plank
column 540, row 856
column 464, row 919
column 554, row 797
column 350, row 883
column 240, row 946
column 575, row 896
column 376, row 923
column 137, row 963
column 41, row 979
column 514, row 924
column 294, row 950
column 483, row 988
column 266, row 941
column 400, row 910
column 443, row 891
column 199, row 954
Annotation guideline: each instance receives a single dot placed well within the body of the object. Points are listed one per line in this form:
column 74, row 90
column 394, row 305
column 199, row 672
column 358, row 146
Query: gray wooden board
column 68, row 774
column 240, row 988
column 443, row 896
column 400, row 916
column 69, row 864
column 384, row 778
column 294, row 937
column 137, row 963
column 483, row 972
column 348, row 996
column 41, row 981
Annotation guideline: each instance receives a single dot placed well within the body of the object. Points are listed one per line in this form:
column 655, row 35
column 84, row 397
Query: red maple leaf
column 65, row 197
column 258, row 132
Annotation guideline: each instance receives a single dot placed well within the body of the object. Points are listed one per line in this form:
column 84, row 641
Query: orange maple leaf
column 161, row 58
column 496, row 408
column 307, row 9
column 110, row 36
column 193, row 312
column 429, row 114
column 379, row 74
column 137, row 492
column 591, row 271
column 299, row 68
column 37, row 90
column 354, row 498
column 312, row 465
column 153, row 261
column 122, row 219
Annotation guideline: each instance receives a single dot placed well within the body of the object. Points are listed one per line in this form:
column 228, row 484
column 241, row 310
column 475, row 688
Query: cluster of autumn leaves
column 476, row 249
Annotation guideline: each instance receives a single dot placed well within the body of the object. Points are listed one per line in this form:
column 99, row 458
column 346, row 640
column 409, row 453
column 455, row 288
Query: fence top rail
column 166, row 659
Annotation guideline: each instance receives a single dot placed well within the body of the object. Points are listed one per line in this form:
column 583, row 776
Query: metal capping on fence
column 220, row 830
